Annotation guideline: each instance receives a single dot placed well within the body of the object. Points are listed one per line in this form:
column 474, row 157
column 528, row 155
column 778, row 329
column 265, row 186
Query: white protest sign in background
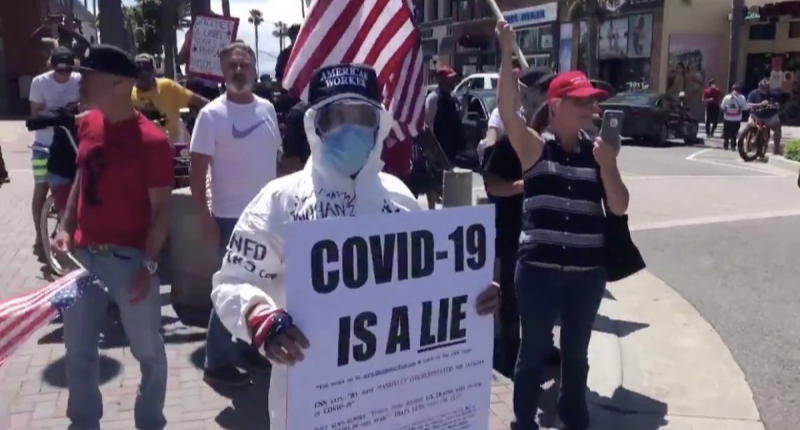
column 209, row 35
column 388, row 304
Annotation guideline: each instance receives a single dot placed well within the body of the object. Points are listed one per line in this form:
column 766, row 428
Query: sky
column 288, row 11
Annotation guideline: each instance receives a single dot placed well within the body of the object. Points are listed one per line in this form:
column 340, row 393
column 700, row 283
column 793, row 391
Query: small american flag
column 22, row 316
column 379, row 33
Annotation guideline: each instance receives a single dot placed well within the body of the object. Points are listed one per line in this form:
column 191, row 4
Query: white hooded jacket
column 253, row 269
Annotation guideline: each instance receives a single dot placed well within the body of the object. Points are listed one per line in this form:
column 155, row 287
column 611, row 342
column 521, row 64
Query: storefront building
column 21, row 57
column 628, row 38
column 437, row 44
column 537, row 29
column 694, row 47
column 473, row 31
column 770, row 49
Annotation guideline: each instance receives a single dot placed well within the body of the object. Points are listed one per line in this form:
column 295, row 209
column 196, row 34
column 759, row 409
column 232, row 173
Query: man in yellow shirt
column 163, row 95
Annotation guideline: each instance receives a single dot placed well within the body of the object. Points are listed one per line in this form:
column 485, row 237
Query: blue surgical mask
column 347, row 148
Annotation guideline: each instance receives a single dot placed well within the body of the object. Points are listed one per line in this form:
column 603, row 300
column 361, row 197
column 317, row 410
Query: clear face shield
column 335, row 115
column 348, row 131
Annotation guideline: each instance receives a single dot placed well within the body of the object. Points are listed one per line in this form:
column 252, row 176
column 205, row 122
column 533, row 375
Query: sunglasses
column 581, row 102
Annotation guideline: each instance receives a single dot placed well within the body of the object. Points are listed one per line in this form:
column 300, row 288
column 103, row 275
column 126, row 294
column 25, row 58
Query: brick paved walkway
column 33, row 381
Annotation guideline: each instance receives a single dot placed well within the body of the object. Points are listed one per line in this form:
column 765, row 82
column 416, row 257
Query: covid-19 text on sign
column 393, row 257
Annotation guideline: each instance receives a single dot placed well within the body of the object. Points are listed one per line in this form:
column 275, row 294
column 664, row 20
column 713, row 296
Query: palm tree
column 256, row 18
column 594, row 11
column 281, row 32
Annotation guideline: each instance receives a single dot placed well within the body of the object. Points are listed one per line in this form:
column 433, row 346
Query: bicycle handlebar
column 765, row 107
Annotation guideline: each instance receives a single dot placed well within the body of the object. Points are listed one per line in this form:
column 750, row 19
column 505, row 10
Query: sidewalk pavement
column 655, row 362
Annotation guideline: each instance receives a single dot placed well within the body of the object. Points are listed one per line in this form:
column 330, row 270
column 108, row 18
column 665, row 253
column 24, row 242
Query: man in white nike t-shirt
column 237, row 135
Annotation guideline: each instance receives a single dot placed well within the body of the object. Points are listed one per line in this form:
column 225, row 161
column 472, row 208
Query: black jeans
column 712, row 119
column 730, row 132
column 507, row 340
column 542, row 295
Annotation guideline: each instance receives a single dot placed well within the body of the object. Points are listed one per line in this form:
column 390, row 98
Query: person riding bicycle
column 763, row 106
column 61, row 164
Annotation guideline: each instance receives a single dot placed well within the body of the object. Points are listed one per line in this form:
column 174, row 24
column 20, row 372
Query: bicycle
column 60, row 264
column 753, row 141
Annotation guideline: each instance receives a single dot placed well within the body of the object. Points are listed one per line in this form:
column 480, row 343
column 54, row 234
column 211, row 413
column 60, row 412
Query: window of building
column 794, row 30
column 447, row 8
column 542, row 60
column 430, row 47
column 535, row 38
column 434, row 10
column 763, row 31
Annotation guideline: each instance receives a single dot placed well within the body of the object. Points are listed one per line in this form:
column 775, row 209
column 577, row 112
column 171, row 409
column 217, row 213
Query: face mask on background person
column 348, row 147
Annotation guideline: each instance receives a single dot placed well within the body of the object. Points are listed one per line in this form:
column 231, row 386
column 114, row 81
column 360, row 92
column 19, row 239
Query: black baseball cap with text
column 110, row 60
column 344, row 81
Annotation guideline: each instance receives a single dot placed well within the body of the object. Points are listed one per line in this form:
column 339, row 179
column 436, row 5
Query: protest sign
column 209, row 35
column 388, row 305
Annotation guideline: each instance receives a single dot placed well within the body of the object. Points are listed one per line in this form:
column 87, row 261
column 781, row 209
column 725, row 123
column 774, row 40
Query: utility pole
column 737, row 22
column 168, row 24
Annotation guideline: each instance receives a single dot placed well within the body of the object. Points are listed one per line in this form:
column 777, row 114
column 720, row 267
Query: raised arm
column 526, row 142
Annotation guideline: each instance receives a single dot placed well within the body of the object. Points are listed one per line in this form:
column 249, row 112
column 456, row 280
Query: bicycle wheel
column 749, row 144
column 48, row 226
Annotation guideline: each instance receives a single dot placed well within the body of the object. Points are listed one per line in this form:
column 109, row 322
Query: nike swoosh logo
column 241, row 134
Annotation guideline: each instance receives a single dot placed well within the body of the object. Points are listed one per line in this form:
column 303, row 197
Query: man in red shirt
column 118, row 217
column 712, row 97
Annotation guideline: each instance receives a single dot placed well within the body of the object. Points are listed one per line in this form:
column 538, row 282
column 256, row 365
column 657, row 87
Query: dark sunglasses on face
column 581, row 102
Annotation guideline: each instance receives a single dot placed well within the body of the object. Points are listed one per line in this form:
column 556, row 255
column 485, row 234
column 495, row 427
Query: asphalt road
column 741, row 276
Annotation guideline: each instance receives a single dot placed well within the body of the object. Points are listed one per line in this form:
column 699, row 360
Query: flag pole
column 499, row 15
column 75, row 260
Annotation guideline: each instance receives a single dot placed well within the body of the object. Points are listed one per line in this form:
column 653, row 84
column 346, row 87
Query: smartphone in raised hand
column 611, row 129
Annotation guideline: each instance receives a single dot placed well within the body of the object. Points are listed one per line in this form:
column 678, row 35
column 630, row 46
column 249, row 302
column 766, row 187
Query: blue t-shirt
column 756, row 97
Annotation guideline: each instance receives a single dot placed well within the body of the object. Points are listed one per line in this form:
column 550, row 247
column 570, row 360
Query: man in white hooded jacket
column 345, row 125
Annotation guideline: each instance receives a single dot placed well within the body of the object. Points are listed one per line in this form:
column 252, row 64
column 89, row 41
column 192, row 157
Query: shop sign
column 532, row 15
column 625, row 6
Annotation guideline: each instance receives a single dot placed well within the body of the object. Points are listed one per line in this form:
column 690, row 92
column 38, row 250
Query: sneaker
column 553, row 357
column 226, row 377
column 255, row 362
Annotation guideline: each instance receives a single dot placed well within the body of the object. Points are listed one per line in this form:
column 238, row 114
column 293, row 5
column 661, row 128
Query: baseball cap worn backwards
column 62, row 59
column 573, row 85
column 110, row 60
column 354, row 82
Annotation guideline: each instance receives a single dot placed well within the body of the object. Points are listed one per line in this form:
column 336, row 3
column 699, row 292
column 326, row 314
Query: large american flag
column 22, row 316
column 380, row 33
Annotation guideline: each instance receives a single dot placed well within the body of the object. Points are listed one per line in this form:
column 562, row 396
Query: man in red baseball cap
column 443, row 119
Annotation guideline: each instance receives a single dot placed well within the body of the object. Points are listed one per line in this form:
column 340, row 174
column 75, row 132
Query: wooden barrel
column 193, row 260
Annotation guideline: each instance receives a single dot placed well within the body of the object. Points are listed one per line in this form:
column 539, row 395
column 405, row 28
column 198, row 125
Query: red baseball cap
column 445, row 72
column 573, row 84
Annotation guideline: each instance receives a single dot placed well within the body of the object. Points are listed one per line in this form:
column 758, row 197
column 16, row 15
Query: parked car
column 652, row 117
column 478, row 81
column 476, row 106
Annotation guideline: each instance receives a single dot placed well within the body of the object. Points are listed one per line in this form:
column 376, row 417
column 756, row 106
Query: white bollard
column 457, row 190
